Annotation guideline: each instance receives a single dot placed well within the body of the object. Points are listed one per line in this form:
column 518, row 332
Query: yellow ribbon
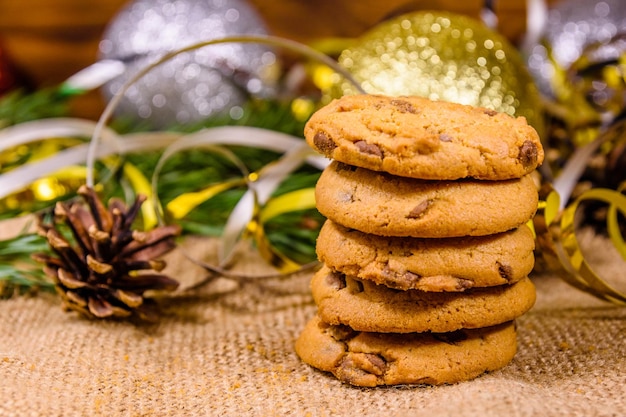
column 558, row 247
column 183, row 204
column 293, row 201
column 141, row 185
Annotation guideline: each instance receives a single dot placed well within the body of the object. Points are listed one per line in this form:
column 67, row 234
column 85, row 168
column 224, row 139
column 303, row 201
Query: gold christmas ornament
column 442, row 56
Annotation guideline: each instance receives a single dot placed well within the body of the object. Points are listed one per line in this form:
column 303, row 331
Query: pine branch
column 19, row 274
column 19, row 106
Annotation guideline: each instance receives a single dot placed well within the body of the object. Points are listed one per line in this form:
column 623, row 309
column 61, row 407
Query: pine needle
column 19, row 106
column 19, row 274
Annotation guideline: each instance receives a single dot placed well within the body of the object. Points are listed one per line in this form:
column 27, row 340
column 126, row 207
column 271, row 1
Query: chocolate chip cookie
column 387, row 205
column 447, row 264
column 372, row 359
column 366, row 306
column 419, row 138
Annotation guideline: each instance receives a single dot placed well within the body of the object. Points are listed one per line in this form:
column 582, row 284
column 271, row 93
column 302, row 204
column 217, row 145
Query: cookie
column 372, row 359
column 387, row 205
column 419, row 138
column 369, row 307
column 447, row 264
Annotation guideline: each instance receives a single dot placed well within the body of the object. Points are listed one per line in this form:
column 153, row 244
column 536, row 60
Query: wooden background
column 49, row 40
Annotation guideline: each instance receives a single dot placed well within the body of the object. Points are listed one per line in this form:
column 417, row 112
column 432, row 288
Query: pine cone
column 107, row 270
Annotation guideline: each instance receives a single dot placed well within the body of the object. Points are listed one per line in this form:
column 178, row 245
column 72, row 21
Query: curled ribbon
column 256, row 206
column 590, row 127
column 558, row 246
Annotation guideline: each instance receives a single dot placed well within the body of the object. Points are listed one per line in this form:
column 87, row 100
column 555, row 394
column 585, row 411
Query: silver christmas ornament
column 572, row 27
column 193, row 85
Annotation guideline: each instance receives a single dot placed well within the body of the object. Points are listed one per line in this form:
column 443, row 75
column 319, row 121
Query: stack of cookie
column 425, row 252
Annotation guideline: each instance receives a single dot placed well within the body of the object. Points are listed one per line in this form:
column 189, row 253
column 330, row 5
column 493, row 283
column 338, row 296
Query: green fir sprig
column 19, row 106
column 19, row 274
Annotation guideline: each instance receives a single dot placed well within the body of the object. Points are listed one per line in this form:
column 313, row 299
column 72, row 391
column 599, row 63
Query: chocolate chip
column 369, row 363
column 451, row 338
column 528, row 153
column 419, row 210
column 323, row 143
column 410, row 277
column 368, row 148
column 388, row 273
column 403, row 106
column 401, row 280
column 505, row 271
column 354, row 286
column 463, row 284
column 337, row 280
column 341, row 332
column 490, row 112
column 350, row 370
column 376, row 365
column 444, row 137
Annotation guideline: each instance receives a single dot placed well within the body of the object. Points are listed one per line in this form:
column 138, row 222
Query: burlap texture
column 230, row 353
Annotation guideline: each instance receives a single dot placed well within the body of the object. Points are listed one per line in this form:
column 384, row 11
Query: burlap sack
column 226, row 351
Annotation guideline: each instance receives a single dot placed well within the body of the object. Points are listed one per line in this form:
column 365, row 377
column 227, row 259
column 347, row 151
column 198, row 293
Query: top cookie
column 420, row 138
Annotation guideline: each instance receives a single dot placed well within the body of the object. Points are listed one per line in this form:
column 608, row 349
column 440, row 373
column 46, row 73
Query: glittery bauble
column 443, row 56
column 571, row 27
column 194, row 85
